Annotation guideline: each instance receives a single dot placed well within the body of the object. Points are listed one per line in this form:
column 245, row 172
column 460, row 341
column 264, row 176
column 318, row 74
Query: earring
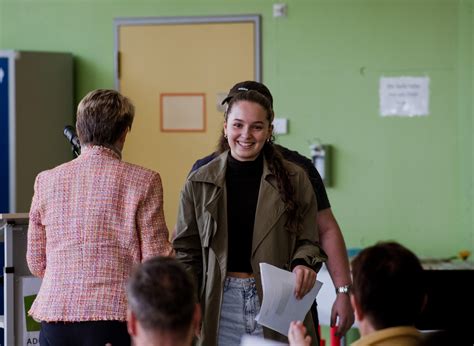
column 225, row 136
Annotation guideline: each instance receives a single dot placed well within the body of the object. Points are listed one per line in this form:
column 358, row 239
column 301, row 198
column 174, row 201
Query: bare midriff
column 240, row 275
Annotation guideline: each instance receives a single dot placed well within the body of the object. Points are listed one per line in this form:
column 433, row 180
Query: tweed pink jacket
column 91, row 220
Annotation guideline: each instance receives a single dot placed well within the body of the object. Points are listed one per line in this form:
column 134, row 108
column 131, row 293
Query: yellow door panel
column 186, row 59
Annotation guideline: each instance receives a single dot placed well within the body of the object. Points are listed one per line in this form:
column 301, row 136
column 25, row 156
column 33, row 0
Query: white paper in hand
column 279, row 305
column 250, row 340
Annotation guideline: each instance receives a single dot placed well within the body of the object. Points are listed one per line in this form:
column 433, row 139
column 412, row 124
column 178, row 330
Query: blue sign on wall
column 4, row 161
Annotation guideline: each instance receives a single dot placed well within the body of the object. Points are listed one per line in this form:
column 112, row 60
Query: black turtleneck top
column 243, row 185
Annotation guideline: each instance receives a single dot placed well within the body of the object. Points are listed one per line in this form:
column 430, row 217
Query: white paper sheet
column 250, row 340
column 279, row 305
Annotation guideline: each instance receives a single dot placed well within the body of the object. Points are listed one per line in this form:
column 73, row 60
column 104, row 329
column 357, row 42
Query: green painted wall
column 408, row 179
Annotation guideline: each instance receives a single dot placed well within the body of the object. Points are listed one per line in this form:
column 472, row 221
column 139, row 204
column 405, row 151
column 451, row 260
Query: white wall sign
column 404, row 96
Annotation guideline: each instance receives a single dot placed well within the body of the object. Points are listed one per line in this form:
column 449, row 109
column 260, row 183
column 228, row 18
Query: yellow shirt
column 395, row 336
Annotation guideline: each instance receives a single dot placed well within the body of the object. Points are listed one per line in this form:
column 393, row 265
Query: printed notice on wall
column 404, row 96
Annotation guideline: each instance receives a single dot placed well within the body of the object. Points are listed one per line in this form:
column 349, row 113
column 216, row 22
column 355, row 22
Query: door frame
column 255, row 19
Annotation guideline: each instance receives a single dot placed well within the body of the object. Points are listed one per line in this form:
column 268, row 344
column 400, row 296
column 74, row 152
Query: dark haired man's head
column 388, row 286
column 162, row 303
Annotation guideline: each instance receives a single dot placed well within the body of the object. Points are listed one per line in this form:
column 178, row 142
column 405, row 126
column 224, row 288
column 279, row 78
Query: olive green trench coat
column 201, row 236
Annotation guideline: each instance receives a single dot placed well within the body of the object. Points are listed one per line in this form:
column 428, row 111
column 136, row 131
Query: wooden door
column 171, row 65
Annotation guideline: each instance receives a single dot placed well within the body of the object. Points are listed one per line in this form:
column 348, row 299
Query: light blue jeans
column 240, row 305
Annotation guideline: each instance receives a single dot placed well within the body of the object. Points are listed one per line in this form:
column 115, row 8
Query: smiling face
column 247, row 129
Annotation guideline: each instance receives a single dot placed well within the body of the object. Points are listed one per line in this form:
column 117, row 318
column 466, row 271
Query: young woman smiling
column 245, row 207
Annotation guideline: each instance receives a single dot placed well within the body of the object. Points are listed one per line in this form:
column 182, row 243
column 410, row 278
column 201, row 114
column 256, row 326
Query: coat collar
column 111, row 151
column 402, row 335
column 270, row 206
column 214, row 173
column 216, row 169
